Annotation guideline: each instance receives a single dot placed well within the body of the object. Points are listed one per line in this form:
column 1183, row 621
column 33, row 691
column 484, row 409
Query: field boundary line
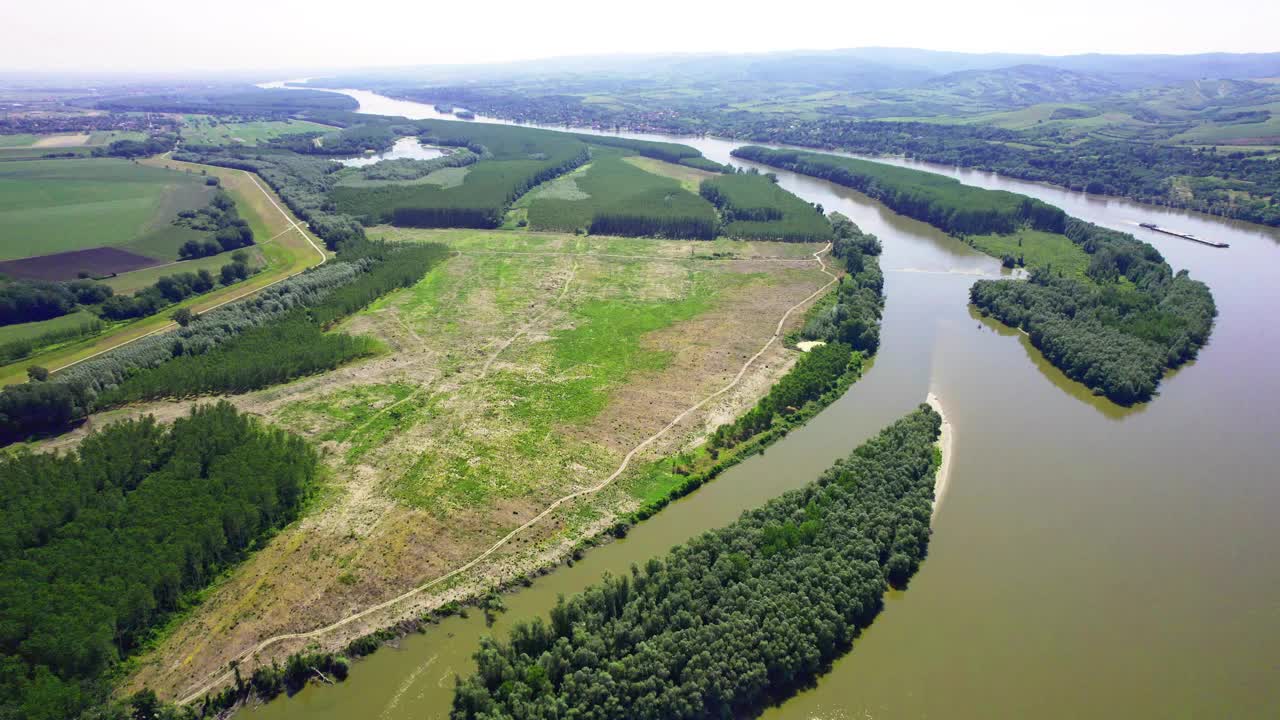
column 172, row 325
column 626, row 462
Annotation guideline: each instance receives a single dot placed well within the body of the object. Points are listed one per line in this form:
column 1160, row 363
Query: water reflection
column 406, row 148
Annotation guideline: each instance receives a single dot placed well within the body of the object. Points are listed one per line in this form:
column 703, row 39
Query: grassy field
column 208, row 130
column 1037, row 249
column 523, row 368
column 52, row 206
column 284, row 250
column 26, row 331
column 132, row 282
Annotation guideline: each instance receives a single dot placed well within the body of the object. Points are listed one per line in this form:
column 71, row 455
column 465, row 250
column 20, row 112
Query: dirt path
column 626, row 462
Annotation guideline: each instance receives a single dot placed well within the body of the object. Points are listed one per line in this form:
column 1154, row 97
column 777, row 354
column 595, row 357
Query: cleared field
column 1036, row 248
column 523, row 369
column 207, row 130
column 96, row 262
column 286, row 251
column 53, row 206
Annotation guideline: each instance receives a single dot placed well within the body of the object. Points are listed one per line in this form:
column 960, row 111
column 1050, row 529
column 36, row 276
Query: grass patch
column 207, row 130
column 1036, row 248
column 52, row 206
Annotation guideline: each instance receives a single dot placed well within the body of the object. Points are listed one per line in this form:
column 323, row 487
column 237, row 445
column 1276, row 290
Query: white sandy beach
column 946, row 443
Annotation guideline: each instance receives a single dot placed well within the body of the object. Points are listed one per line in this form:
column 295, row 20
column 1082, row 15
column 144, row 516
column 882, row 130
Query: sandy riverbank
column 946, row 443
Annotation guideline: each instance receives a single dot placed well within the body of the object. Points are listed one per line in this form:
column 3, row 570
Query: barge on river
column 1185, row 236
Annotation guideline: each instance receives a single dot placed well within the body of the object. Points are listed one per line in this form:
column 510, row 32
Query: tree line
column 754, row 206
column 734, row 619
column 24, row 301
column 943, row 202
column 99, row 546
column 289, row 347
column 853, row 318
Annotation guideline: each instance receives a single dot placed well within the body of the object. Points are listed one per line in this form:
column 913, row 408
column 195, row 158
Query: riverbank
column 942, row 479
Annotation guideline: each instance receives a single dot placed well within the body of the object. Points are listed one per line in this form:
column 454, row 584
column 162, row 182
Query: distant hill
column 1023, row 85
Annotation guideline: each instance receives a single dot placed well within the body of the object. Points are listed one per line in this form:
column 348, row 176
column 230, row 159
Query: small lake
column 406, row 148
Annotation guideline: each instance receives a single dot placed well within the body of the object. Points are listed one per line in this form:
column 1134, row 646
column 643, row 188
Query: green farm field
column 207, row 130
column 52, row 206
column 27, row 331
column 285, row 250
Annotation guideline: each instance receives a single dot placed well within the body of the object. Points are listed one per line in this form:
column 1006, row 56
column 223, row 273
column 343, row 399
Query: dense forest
column 853, row 318
column 246, row 101
column 943, row 202
column 23, row 301
column 1118, row 333
column 614, row 196
column 735, row 618
column 97, row 547
column 752, row 206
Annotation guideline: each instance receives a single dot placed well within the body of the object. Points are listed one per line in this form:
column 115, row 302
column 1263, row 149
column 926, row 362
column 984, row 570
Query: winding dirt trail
column 626, row 462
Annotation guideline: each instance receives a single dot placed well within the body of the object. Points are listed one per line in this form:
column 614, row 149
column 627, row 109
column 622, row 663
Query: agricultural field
column 613, row 183
column 26, row 146
column 209, row 130
column 284, row 251
column 56, row 206
column 522, row 369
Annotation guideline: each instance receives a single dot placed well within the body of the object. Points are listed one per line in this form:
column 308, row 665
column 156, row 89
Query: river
column 1088, row 560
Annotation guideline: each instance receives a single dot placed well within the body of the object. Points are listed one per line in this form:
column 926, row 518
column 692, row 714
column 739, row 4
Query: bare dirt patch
column 59, row 141
column 97, row 262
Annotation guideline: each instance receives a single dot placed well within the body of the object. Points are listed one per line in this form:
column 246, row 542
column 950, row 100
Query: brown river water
column 1088, row 560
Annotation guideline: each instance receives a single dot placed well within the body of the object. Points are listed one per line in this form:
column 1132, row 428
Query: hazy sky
column 152, row 35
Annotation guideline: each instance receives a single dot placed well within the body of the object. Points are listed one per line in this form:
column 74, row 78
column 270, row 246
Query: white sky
column 171, row 35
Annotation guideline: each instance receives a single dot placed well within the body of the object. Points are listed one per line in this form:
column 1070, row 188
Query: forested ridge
column 98, row 546
column 1116, row 329
column 735, row 618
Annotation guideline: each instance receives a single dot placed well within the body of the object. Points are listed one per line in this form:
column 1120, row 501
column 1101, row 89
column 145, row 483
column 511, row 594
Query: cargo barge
column 1184, row 236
